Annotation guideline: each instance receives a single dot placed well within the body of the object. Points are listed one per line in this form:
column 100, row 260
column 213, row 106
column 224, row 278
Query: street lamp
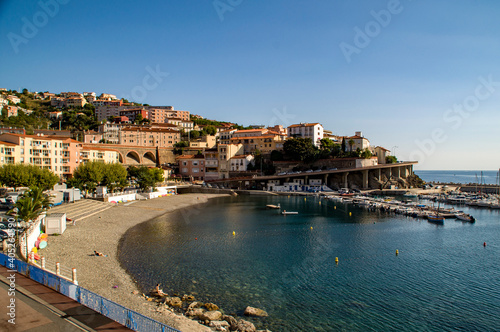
column 394, row 150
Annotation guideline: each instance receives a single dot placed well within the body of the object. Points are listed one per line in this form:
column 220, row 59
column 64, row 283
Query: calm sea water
column 488, row 177
column 442, row 280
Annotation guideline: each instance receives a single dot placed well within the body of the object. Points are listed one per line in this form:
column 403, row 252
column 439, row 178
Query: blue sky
column 421, row 80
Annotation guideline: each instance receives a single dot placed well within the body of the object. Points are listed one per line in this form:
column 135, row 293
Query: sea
column 331, row 267
column 463, row 177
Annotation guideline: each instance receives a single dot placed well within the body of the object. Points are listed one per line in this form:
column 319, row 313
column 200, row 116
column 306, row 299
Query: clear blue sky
column 266, row 62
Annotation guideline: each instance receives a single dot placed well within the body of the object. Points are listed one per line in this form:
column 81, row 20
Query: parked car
column 309, row 171
column 3, row 235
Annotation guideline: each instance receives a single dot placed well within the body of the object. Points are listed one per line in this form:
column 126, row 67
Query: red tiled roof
column 303, row 125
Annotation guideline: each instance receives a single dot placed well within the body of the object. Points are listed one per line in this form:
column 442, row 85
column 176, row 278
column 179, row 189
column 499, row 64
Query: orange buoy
column 484, row 244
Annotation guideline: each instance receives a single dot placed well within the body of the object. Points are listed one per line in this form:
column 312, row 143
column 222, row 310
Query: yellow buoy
column 311, row 227
column 304, row 198
column 350, row 214
column 234, row 233
column 319, row 202
column 335, row 208
column 336, row 260
column 397, row 252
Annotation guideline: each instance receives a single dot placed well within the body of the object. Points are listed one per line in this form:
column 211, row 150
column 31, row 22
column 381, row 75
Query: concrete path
column 81, row 209
column 39, row 308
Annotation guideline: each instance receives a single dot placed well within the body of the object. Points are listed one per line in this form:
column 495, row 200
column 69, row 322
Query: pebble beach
column 104, row 275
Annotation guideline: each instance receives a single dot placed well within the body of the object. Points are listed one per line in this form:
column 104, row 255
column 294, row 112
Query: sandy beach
column 102, row 232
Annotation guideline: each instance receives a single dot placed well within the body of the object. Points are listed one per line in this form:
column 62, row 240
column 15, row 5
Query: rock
column 233, row 323
column 187, row 298
column 195, row 305
column 211, row 306
column 219, row 323
column 173, row 301
column 211, row 315
column 255, row 312
column 245, row 326
column 135, row 292
column 195, row 312
column 266, row 330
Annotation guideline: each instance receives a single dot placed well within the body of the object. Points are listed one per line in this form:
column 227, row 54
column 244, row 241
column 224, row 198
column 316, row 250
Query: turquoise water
column 442, row 280
column 466, row 177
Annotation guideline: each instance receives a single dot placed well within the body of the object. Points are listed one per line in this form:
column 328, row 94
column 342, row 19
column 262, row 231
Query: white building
column 314, row 131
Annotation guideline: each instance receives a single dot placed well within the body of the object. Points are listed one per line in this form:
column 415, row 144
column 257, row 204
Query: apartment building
column 192, row 167
column 226, row 135
column 225, row 153
column 314, row 131
column 211, row 164
column 160, row 114
column 97, row 154
column 148, row 136
column 60, row 155
column 240, row 163
column 133, row 113
column 265, row 143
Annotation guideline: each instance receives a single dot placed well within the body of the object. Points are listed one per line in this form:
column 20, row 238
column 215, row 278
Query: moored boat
column 465, row 217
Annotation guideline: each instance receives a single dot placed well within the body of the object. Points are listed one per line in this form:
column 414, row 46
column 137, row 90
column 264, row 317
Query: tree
column 194, row 134
column 145, row 177
column 343, row 145
column 22, row 175
column 351, row 144
column 326, row 147
column 276, row 155
column 367, row 154
column 211, row 130
column 87, row 176
column 32, row 203
column 300, row 148
column 391, row 160
column 115, row 176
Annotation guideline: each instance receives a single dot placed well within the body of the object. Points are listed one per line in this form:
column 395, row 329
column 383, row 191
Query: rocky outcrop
column 175, row 302
column 255, row 312
column 245, row 326
column 211, row 307
column 233, row 323
column 211, row 315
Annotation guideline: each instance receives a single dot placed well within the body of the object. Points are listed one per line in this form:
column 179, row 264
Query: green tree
column 300, row 148
column 145, row 177
column 88, row 176
column 351, row 144
column 391, row 160
column 115, row 176
column 22, row 175
column 326, row 147
column 367, row 154
column 32, row 203
column 343, row 145
column 276, row 155
column 194, row 134
column 210, row 130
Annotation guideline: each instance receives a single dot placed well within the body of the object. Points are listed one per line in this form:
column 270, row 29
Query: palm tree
column 31, row 204
column 351, row 143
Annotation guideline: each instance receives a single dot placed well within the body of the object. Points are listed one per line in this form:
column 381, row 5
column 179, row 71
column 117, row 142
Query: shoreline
column 105, row 275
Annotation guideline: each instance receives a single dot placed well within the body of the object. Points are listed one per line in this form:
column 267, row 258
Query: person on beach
column 159, row 291
column 99, row 254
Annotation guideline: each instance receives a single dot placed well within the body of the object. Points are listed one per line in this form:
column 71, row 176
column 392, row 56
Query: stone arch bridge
column 138, row 155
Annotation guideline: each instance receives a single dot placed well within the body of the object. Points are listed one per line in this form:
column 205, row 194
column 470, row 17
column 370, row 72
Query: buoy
column 336, row 260
column 304, row 198
column 234, row 233
column 319, row 202
column 311, row 227
column 196, row 238
column 484, row 244
column 335, row 208
column 350, row 214
column 397, row 252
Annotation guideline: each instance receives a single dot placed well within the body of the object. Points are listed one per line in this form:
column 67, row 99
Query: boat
column 289, row 212
column 465, row 217
column 436, row 218
column 271, row 206
column 410, row 195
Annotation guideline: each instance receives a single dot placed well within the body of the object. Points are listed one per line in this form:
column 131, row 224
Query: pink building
column 192, row 167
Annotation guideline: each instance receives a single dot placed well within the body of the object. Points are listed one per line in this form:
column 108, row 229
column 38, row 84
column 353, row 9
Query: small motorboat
column 289, row 212
column 465, row 217
column 271, row 206
column 435, row 219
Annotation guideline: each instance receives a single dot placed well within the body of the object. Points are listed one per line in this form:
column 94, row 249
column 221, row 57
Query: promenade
column 39, row 308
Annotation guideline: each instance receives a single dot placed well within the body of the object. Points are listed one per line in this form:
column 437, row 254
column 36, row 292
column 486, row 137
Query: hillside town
column 75, row 128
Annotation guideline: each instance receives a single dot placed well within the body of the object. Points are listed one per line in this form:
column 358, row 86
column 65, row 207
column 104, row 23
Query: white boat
column 410, row 195
column 465, row 217
column 289, row 212
column 271, row 206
